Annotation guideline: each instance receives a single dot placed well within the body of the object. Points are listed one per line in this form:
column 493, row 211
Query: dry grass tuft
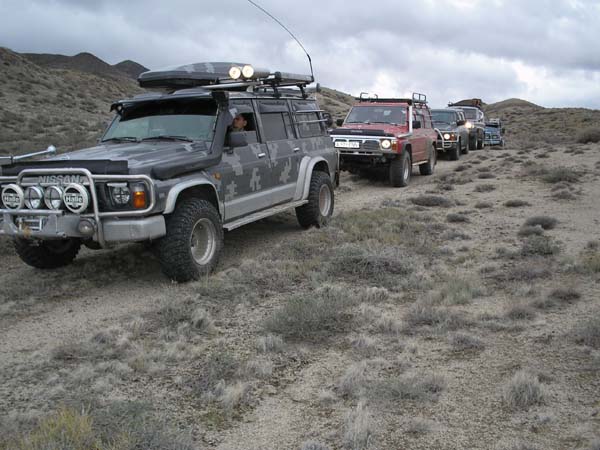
column 457, row 218
column 483, row 205
column 540, row 246
column 546, row 222
column 520, row 312
column 431, row 201
column 462, row 342
column 516, row 203
column 312, row 445
column 527, row 230
column 424, row 314
column 353, row 382
column 417, row 387
column 561, row 175
column 359, row 428
column 312, row 313
column 270, row 343
column 485, row 188
column 588, row 332
column 589, row 135
column 522, row 391
column 460, row 291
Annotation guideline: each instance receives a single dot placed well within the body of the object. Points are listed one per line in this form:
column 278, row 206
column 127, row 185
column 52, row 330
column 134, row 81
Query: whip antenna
column 312, row 75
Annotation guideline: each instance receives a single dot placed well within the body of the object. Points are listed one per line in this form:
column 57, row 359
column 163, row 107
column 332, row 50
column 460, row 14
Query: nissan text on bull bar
column 171, row 170
column 391, row 134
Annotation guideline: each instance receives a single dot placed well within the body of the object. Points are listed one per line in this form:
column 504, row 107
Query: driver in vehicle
column 239, row 123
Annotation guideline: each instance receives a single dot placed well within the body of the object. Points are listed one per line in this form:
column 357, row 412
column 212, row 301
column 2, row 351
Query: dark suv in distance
column 475, row 121
column 453, row 135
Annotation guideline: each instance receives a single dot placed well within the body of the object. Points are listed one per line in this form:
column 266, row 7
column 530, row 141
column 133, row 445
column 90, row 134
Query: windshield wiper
column 122, row 138
column 169, row 137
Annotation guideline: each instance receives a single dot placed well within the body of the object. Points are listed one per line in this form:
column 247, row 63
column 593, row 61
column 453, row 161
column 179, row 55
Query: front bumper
column 445, row 144
column 58, row 225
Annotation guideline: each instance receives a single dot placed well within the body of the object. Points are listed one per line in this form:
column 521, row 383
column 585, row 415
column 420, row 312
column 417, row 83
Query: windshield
column 191, row 119
column 395, row 115
column 470, row 114
column 443, row 116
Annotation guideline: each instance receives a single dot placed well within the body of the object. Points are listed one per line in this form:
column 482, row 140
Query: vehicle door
column 278, row 134
column 419, row 140
column 463, row 131
column 246, row 176
column 430, row 133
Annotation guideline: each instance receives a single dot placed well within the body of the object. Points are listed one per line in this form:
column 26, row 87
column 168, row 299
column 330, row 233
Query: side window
column 274, row 126
column 309, row 120
column 244, row 109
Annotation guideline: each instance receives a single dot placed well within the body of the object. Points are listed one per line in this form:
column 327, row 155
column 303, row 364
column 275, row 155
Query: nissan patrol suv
column 453, row 135
column 171, row 170
column 475, row 121
column 390, row 133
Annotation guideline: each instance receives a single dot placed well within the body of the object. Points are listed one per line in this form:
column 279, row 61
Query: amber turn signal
column 139, row 199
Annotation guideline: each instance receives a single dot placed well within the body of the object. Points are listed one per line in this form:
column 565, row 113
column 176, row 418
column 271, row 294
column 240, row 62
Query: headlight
column 386, row 144
column 247, row 71
column 447, row 136
column 13, row 196
column 34, row 197
column 53, row 197
column 469, row 125
column 235, row 72
column 120, row 193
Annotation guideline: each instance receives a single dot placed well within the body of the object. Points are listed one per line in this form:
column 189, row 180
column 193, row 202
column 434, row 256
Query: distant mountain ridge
column 86, row 62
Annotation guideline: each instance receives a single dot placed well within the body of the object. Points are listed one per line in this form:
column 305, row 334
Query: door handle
column 262, row 155
column 296, row 149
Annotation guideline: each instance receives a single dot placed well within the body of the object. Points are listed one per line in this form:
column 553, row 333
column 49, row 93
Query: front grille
column 31, row 223
column 371, row 145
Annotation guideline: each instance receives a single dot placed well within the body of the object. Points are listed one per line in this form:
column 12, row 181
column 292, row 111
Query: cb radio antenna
column 312, row 75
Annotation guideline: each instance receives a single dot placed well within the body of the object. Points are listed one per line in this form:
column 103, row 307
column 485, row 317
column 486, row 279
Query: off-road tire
column 480, row 144
column 318, row 210
column 465, row 151
column 473, row 143
column 429, row 166
column 399, row 175
column 175, row 250
column 47, row 254
column 454, row 153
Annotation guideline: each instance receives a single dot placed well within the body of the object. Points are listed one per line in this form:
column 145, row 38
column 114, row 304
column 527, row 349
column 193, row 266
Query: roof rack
column 470, row 102
column 222, row 76
column 374, row 98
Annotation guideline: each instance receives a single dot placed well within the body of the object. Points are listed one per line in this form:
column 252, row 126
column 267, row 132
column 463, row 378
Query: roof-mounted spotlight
column 248, row 71
column 235, row 72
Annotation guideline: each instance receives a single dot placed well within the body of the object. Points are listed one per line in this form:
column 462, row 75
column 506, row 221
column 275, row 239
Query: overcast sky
column 540, row 50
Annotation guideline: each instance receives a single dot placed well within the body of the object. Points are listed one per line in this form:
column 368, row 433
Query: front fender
column 182, row 186
column 304, row 175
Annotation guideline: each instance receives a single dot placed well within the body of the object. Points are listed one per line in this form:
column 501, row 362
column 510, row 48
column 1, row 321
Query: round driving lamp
column 248, row 71
column 447, row 136
column 13, row 196
column 235, row 72
column 86, row 227
column 120, row 193
column 76, row 198
column 469, row 125
column 386, row 144
column 53, row 197
column 34, row 197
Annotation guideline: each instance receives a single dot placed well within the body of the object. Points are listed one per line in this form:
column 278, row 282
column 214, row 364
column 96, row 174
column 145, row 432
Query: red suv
column 393, row 133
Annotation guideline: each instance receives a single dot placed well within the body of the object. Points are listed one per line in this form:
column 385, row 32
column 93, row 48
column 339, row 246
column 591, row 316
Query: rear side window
column 274, row 126
column 309, row 119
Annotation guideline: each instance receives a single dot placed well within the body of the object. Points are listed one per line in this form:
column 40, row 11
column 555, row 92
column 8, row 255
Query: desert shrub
column 588, row 135
column 457, row 218
column 431, row 201
column 561, row 175
column 565, row 295
column 460, row 291
column 461, row 342
column 354, row 379
column 588, row 332
column 311, row 313
column 424, row 314
column 419, row 386
column 486, row 175
column 312, row 445
column 563, row 194
column 516, row 203
column 528, row 230
column 520, row 312
column 485, row 188
column 546, row 222
column 483, row 205
column 270, row 343
column 517, row 445
column 359, row 428
column 589, row 262
column 522, row 391
column 521, row 272
column 419, row 427
column 539, row 245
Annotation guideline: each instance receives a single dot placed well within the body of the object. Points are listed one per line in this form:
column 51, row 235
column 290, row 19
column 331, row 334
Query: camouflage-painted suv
column 171, row 170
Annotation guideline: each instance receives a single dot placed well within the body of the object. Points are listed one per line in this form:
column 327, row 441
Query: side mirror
column 339, row 122
column 416, row 124
column 238, row 139
column 460, row 123
column 328, row 119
